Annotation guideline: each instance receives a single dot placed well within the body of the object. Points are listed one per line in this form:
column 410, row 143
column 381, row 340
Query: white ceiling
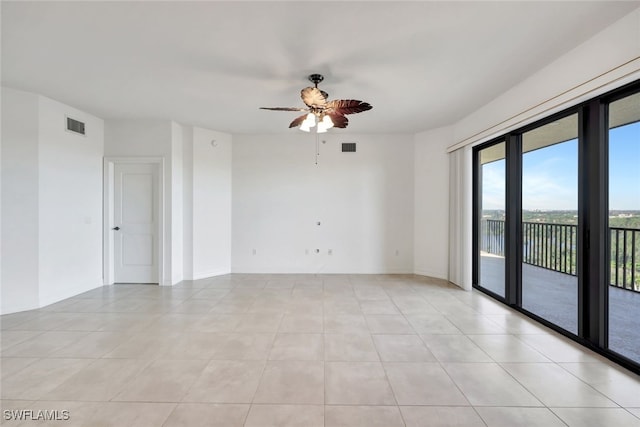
column 420, row 64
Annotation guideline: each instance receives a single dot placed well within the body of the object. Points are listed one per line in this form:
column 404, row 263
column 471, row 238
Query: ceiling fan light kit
column 320, row 113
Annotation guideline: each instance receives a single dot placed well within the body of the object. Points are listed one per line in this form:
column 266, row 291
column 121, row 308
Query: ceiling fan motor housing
column 316, row 78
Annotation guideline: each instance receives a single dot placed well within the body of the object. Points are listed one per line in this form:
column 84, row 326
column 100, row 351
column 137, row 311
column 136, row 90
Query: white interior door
column 135, row 225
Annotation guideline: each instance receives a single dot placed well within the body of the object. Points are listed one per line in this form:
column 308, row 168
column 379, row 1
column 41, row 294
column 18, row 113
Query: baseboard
column 430, row 273
column 286, row 270
column 18, row 309
column 46, row 300
column 206, row 274
column 437, row 279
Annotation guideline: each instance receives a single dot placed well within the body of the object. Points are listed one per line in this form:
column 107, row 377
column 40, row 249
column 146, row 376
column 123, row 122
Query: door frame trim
column 108, row 258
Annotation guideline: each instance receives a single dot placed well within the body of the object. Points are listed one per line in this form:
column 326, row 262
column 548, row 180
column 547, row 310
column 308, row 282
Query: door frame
column 108, row 258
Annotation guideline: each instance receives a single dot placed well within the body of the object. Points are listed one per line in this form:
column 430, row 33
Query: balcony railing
column 550, row 246
column 625, row 258
column 555, row 246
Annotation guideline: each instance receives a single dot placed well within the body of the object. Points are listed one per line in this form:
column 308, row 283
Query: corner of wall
column 187, row 197
column 177, row 203
column 19, row 177
column 431, row 202
column 52, row 197
column 210, row 192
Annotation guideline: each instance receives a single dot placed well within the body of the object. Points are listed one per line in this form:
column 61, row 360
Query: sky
column 550, row 175
column 624, row 167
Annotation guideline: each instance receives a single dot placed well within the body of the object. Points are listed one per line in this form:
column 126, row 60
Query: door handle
column 116, row 228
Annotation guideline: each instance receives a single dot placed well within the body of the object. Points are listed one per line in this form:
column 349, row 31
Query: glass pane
column 492, row 216
column 624, row 226
column 549, row 222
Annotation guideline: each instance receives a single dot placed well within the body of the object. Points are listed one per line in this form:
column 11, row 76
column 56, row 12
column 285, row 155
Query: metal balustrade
column 555, row 246
column 492, row 232
column 625, row 258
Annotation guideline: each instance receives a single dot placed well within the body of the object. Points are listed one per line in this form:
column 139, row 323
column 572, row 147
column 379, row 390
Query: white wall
column 363, row 200
column 51, row 201
column 177, row 204
column 1, row 137
column 20, row 281
column 143, row 138
column 70, row 209
column 211, row 203
column 431, row 195
column 187, row 199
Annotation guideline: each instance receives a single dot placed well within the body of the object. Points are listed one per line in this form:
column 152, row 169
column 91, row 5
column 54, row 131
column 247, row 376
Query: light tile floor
column 305, row 350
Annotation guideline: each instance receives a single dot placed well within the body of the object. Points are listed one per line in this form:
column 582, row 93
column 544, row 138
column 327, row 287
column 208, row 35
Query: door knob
column 116, row 228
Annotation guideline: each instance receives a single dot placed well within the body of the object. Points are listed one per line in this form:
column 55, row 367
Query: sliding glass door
column 624, row 226
column 491, row 213
column 549, row 222
column 557, row 222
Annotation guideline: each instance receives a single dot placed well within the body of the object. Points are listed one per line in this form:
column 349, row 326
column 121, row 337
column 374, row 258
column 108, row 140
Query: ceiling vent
column 348, row 147
column 75, row 126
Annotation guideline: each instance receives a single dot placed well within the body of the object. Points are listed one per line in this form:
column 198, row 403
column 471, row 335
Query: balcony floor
column 554, row 296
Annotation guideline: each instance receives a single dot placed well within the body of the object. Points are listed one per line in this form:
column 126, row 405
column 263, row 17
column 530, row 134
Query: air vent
column 348, row 147
column 75, row 126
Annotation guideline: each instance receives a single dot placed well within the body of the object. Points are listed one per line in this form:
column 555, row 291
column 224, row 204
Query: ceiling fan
column 325, row 114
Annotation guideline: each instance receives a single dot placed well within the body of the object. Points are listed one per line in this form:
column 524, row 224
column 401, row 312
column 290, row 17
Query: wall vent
column 75, row 126
column 348, row 147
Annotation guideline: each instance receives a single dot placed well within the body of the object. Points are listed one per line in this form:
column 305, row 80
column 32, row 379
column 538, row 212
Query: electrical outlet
column 255, row 252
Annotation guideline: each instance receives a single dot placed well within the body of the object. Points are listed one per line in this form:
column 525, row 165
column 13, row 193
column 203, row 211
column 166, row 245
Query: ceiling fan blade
column 298, row 121
column 348, row 106
column 339, row 121
column 313, row 97
column 284, row 108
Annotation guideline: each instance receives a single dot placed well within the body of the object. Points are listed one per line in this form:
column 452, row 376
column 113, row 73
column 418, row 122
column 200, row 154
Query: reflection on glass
column 624, row 226
column 492, row 216
column 549, row 222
